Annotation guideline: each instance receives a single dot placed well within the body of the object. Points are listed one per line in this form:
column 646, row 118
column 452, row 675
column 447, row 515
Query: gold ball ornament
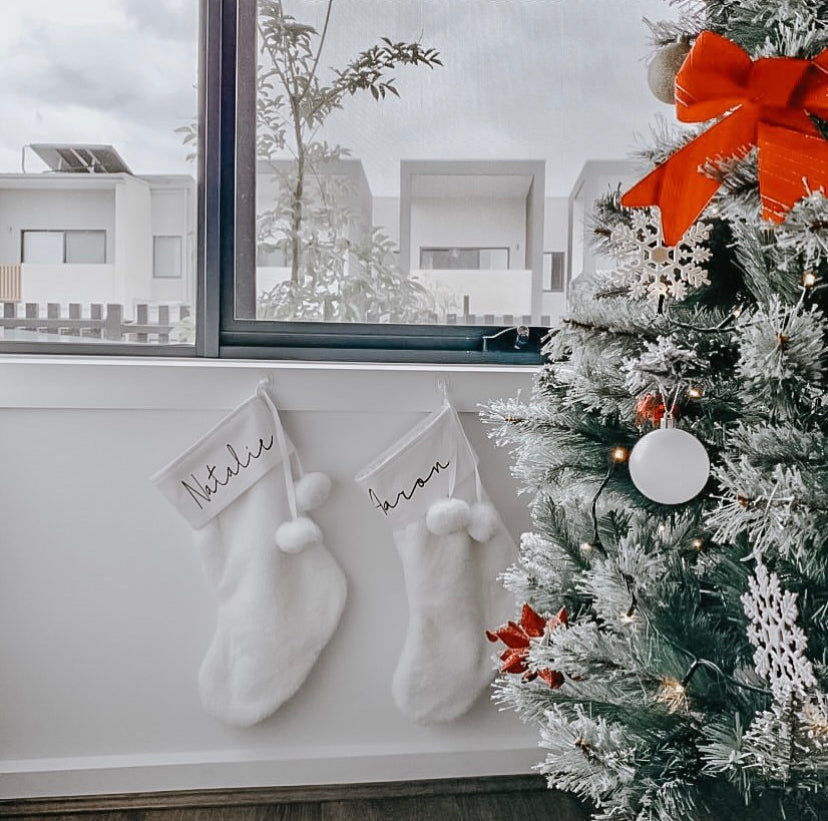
column 661, row 75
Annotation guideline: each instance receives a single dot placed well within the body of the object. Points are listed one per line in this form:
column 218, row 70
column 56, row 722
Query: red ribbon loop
column 766, row 103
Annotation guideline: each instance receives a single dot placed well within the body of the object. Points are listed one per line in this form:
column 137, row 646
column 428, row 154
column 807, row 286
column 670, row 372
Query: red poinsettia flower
column 518, row 639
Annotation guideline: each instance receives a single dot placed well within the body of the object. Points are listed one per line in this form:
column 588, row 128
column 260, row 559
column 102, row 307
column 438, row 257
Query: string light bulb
column 587, row 548
column 697, row 545
column 809, row 279
column 695, row 392
column 619, row 454
column 672, row 694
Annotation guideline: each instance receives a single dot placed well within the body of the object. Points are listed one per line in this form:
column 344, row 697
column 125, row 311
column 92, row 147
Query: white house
column 93, row 232
column 481, row 235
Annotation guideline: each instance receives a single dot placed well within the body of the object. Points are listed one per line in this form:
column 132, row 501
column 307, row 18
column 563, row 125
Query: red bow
column 518, row 639
column 766, row 103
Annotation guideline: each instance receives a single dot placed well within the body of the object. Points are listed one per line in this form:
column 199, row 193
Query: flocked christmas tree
column 672, row 646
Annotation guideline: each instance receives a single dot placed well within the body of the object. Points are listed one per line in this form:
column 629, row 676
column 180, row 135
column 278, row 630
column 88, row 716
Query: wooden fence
column 106, row 322
column 10, row 283
column 103, row 322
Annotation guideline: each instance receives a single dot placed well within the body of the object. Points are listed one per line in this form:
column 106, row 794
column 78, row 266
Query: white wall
column 133, row 240
column 56, row 209
column 105, row 614
column 597, row 179
column 447, row 222
column 555, row 233
column 67, row 283
column 489, row 292
column 386, row 216
column 173, row 214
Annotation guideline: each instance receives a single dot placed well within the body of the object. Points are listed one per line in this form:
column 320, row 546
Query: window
column 337, row 245
column 553, row 271
column 166, row 257
column 57, row 247
column 43, row 247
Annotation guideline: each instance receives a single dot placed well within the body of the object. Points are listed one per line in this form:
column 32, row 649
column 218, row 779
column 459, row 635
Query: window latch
column 522, row 339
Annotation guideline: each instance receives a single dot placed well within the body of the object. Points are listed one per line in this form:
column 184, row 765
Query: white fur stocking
column 276, row 610
column 453, row 546
column 279, row 591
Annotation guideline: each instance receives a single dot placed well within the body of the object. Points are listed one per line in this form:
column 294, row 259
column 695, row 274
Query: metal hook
column 266, row 384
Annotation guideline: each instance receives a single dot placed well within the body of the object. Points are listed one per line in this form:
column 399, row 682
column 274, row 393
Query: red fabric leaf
column 533, row 623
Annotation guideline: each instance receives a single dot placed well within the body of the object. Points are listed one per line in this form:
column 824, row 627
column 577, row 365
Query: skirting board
column 35, row 778
column 498, row 796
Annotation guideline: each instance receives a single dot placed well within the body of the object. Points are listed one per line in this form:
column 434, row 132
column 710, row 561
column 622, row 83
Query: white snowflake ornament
column 780, row 643
column 657, row 270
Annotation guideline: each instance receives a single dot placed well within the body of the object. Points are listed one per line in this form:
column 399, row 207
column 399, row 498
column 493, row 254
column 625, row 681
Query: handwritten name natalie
column 203, row 489
column 385, row 505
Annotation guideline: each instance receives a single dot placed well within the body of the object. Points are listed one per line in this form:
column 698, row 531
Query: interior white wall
column 105, row 614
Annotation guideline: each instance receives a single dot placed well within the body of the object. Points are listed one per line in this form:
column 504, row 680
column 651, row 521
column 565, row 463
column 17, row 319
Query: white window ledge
column 146, row 383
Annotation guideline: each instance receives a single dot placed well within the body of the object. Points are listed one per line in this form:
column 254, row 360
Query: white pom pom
column 295, row 536
column 312, row 490
column 483, row 521
column 447, row 516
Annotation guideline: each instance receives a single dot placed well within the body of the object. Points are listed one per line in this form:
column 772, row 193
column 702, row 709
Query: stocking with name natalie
column 279, row 592
column 453, row 546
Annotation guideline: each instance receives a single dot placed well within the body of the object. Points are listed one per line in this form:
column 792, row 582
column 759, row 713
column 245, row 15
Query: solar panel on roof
column 81, row 158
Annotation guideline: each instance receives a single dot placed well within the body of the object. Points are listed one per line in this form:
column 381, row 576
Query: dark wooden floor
column 502, row 798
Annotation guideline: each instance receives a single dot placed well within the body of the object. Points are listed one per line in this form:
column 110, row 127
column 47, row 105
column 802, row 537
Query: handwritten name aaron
column 385, row 505
column 204, row 490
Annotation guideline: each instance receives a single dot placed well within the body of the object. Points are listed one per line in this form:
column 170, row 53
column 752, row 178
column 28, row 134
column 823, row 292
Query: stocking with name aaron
column 279, row 592
column 453, row 546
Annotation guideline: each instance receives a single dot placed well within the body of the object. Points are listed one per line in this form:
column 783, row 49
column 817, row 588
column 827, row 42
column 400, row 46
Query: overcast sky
column 562, row 80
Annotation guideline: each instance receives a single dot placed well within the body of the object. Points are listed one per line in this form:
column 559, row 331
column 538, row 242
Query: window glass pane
column 96, row 159
column 382, row 192
column 43, row 247
column 85, row 247
column 166, row 262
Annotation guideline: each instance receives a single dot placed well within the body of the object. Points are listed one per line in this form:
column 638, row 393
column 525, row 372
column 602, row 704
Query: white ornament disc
column 669, row 466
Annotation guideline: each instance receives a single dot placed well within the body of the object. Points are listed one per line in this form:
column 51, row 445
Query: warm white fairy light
column 672, row 694
column 619, row 454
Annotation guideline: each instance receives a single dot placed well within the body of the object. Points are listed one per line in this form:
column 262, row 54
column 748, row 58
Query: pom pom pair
column 452, row 515
column 296, row 535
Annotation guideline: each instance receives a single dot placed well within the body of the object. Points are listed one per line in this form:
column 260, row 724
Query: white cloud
column 557, row 79
column 102, row 72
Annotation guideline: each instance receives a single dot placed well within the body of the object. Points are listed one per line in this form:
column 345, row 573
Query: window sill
column 149, row 383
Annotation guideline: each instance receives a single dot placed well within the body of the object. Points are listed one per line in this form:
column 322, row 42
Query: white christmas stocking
column 453, row 545
column 280, row 593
